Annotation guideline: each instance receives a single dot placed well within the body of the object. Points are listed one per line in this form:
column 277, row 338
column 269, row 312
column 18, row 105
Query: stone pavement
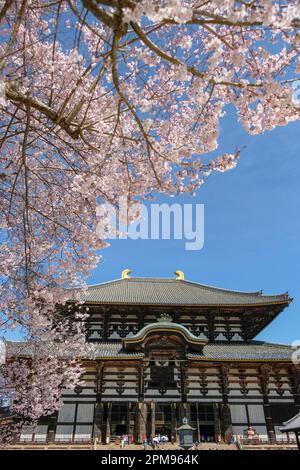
column 166, row 446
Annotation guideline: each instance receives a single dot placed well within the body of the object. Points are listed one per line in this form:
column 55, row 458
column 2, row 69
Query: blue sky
column 252, row 227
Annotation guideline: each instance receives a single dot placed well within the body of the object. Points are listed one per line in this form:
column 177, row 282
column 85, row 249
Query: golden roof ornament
column 125, row 273
column 180, row 275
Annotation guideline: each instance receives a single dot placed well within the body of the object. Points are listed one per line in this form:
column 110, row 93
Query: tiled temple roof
column 292, row 424
column 110, row 349
column 254, row 350
column 163, row 325
column 163, row 291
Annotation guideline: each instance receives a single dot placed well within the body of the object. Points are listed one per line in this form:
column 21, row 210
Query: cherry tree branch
column 5, row 8
column 16, row 96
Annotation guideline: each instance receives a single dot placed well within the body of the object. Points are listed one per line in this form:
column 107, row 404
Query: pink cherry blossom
column 100, row 99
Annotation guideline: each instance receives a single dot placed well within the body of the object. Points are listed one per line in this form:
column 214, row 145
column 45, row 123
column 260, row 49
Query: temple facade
column 172, row 348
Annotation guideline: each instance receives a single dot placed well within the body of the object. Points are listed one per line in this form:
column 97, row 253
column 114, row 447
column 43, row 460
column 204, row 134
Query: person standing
column 95, row 443
column 250, row 432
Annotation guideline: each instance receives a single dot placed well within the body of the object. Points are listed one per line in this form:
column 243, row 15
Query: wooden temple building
column 172, row 348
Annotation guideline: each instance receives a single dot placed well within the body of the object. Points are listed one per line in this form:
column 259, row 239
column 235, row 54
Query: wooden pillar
column 108, row 423
column 269, row 421
column 129, row 429
column 184, row 412
column 52, row 428
column 264, row 381
column 141, row 420
column 198, row 423
column 141, row 382
column 183, row 380
column 99, row 407
column 294, row 378
column 217, row 424
column 98, row 421
column 174, row 421
column 226, row 423
column 225, row 413
column 153, row 405
column 210, row 322
column 297, row 439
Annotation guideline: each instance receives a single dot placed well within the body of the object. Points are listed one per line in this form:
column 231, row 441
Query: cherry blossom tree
column 102, row 99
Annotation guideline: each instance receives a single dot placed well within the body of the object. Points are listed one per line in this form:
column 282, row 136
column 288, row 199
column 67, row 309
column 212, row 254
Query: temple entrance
column 118, row 429
column 207, row 433
column 164, row 431
column 163, row 419
column 202, row 420
column 119, row 419
column 160, row 420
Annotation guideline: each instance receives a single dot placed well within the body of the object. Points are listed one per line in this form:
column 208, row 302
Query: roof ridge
column 276, row 344
column 223, row 289
column 258, row 293
column 248, row 343
column 96, row 285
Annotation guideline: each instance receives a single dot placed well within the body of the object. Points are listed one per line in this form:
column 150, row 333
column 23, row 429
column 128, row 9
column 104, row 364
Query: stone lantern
column 185, row 432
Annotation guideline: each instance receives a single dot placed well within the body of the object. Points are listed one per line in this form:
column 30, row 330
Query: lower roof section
column 292, row 424
column 218, row 351
column 254, row 350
